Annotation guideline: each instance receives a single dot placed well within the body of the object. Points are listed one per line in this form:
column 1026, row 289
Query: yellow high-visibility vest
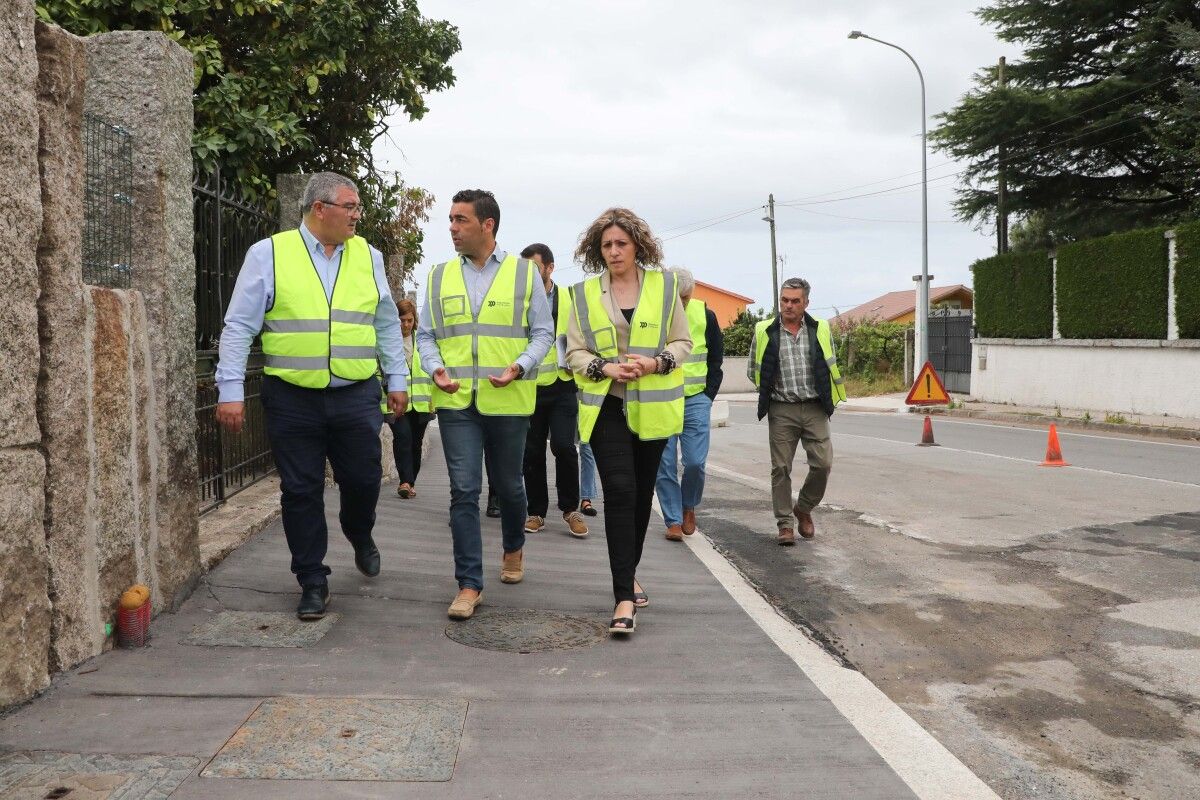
column 548, row 370
column 474, row 346
column 419, row 384
column 653, row 403
column 308, row 338
column 837, row 390
column 695, row 369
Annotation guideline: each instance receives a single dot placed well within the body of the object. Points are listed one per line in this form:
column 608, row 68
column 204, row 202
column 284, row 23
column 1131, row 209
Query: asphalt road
column 1043, row 623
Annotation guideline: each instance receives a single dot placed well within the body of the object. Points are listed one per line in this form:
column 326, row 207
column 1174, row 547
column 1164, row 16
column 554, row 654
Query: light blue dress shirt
column 254, row 293
column 479, row 280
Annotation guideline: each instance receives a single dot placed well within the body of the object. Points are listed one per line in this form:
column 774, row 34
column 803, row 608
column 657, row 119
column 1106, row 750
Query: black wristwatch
column 520, row 372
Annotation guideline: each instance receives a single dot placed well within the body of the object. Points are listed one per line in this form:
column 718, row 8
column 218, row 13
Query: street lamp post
column 922, row 321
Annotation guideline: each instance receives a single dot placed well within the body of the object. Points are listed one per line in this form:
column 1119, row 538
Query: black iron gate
column 950, row 348
column 225, row 227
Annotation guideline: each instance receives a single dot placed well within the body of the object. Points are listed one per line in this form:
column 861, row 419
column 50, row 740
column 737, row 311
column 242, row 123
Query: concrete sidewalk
column 380, row 702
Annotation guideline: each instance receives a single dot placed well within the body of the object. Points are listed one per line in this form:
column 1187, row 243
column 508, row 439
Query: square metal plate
column 346, row 739
column 40, row 774
column 260, row 629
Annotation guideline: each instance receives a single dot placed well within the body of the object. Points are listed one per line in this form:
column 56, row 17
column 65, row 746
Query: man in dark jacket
column 793, row 366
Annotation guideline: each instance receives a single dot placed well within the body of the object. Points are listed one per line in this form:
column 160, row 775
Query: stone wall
column 97, row 438
column 24, row 600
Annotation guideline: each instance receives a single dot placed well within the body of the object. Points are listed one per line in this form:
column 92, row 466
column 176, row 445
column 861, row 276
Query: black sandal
column 624, row 624
column 640, row 599
column 587, row 509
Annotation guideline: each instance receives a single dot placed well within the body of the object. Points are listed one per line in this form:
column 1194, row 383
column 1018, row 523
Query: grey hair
column 685, row 280
column 796, row 283
column 323, row 186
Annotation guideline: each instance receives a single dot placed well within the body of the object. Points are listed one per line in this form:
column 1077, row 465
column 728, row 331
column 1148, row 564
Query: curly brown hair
column 646, row 245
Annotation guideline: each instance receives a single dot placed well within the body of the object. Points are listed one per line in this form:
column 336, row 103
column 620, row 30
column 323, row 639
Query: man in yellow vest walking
column 320, row 299
column 793, row 365
column 484, row 328
column 554, row 415
column 702, row 376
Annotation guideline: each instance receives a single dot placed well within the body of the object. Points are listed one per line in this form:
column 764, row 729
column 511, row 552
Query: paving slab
column 699, row 703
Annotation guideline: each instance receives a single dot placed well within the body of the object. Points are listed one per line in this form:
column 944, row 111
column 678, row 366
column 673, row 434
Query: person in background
column 587, row 479
column 793, row 365
column 701, row 380
column 626, row 343
column 554, row 415
column 408, row 429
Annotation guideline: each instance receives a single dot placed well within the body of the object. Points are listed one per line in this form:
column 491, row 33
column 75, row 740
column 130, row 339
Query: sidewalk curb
column 1189, row 434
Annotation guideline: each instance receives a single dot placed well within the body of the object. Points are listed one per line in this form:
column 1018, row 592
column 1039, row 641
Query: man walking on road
column 484, row 329
column 701, row 380
column 554, row 415
column 319, row 297
column 792, row 363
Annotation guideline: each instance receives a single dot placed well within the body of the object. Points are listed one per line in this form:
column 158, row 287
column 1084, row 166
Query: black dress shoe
column 493, row 510
column 313, row 600
column 366, row 558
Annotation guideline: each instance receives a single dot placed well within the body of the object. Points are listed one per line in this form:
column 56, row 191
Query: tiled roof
column 889, row 306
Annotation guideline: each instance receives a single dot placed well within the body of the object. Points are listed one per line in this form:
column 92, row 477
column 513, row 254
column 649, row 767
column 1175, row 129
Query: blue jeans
column 467, row 438
column 675, row 495
column 587, row 472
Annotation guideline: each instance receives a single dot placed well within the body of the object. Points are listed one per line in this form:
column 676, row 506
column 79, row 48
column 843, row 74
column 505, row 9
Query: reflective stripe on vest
column 653, row 403
column 695, row 369
column 308, row 337
column 474, row 346
column 837, row 390
column 419, row 384
column 548, row 370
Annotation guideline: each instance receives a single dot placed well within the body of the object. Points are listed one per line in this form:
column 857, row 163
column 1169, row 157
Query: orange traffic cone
column 1053, row 451
column 927, row 434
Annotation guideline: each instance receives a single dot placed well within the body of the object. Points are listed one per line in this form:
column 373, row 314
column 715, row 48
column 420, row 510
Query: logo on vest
column 645, row 324
column 501, row 303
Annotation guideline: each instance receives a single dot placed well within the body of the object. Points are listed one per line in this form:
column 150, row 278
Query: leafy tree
column 289, row 86
column 1098, row 120
column 741, row 331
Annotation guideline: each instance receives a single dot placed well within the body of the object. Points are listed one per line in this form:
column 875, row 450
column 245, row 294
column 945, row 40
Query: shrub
column 1187, row 280
column 1014, row 296
column 1114, row 287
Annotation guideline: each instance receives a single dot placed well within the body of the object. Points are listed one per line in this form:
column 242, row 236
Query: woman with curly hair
column 627, row 341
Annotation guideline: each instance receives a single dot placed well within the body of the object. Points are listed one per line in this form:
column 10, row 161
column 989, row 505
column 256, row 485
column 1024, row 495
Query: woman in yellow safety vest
column 627, row 341
column 408, row 429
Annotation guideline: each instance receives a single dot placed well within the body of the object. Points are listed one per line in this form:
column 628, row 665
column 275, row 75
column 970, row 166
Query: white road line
column 921, row 761
column 945, row 449
column 745, row 480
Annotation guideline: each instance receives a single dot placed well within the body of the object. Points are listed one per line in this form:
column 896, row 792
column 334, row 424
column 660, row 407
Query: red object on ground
column 1053, row 451
column 927, row 434
column 133, row 626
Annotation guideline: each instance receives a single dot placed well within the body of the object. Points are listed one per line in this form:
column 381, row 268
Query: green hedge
column 1114, row 287
column 1014, row 296
column 1187, row 280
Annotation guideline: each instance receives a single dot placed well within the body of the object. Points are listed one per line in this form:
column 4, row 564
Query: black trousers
column 555, row 415
column 628, row 467
column 306, row 427
column 408, row 434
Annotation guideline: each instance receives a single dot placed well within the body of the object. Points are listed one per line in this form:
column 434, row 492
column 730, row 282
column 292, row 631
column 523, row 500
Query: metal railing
column 107, row 204
column 225, row 226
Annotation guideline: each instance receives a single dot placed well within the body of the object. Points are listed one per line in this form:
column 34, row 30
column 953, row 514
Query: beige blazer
column 679, row 340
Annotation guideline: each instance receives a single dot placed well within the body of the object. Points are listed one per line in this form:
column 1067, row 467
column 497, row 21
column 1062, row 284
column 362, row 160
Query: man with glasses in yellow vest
column 702, row 376
column 484, row 328
column 554, row 415
column 320, row 299
column 793, row 365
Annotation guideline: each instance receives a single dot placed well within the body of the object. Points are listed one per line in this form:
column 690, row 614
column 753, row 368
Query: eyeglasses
column 349, row 208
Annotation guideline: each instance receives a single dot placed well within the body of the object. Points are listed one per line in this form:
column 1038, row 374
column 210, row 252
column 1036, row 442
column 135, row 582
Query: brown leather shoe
column 464, row 604
column 575, row 523
column 689, row 521
column 807, row 530
column 786, row 537
column 513, row 568
column 674, row 533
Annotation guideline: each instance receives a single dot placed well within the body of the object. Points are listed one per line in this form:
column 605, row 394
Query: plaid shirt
column 795, row 381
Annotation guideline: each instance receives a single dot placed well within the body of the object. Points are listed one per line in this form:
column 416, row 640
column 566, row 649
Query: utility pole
column 1001, row 183
column 770, row 219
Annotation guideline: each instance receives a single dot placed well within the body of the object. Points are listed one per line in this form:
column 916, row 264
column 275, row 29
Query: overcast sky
column 688, row 111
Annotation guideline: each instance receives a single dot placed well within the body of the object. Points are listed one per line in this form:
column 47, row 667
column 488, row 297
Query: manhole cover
column 526, row 631
column 345, row 739
column 260, row 629
column 38, row 775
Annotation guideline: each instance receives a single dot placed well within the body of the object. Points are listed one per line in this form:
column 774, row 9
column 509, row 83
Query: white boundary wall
column 1137, row 376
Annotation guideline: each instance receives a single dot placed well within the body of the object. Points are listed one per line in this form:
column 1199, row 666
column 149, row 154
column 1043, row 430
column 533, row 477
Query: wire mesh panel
column 107, row 204
column 226, row 224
